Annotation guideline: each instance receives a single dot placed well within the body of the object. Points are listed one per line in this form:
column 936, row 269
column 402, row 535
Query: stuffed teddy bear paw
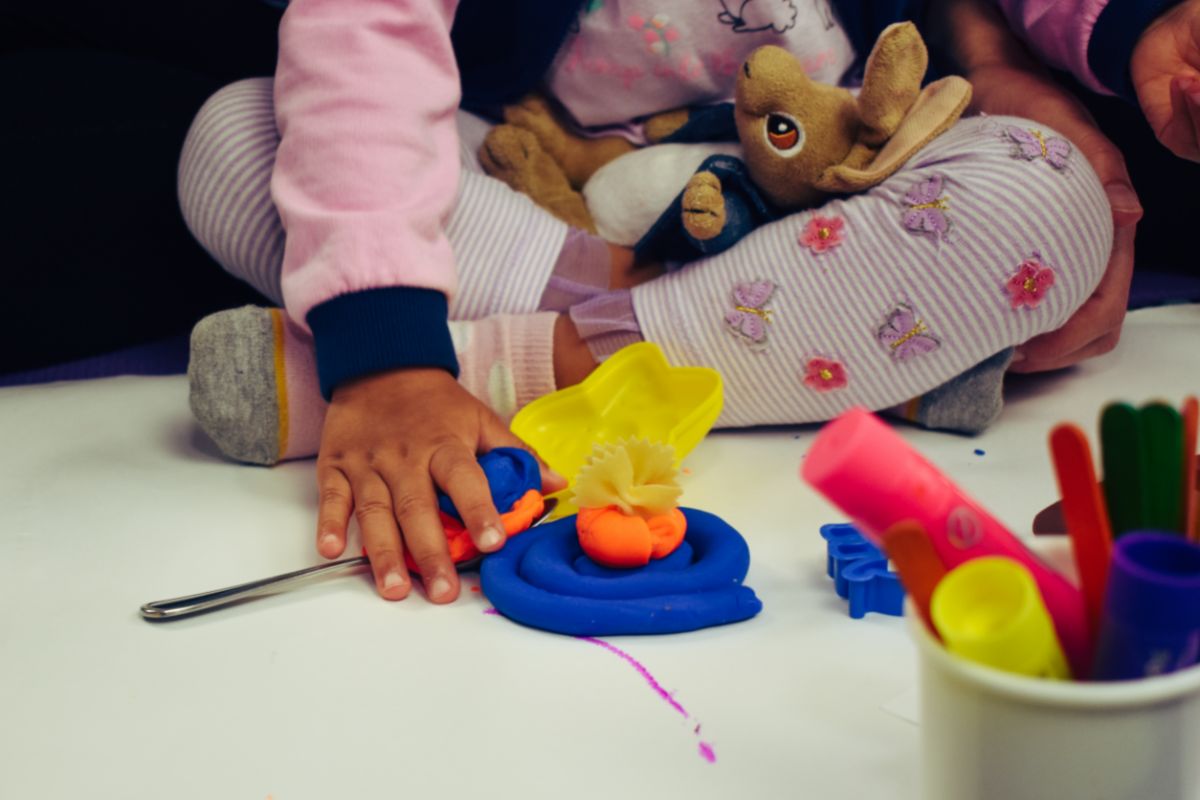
column 533, row 113
column 515, row 155
column 703, row 206
column 511, row 154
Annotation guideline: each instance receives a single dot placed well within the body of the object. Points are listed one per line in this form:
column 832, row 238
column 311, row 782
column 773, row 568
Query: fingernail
column 392, row 580
column 439, row 588
column 491, row 538
column 1122, row 197
column 1017, row 358
column 328, row 540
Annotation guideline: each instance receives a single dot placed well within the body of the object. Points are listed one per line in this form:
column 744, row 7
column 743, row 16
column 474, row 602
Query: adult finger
column 1193, row 112
column 381, row 538
column 1180, row 135
column 1109, row 165
column 333, row 510
column 415, row 504
column 493, row 433
column 456, row 470
column 1097, row 347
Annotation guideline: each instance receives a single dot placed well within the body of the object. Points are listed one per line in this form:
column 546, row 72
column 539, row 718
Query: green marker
column 1160, row 428
column 1121, row 452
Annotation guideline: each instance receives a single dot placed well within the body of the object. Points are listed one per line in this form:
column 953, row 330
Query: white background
column 110, row 499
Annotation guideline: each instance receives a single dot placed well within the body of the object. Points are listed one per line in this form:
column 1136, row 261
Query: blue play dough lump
column 510, row 471
column 543, row 579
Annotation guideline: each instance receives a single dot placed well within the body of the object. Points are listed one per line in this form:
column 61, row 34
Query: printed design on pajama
column 904, row 313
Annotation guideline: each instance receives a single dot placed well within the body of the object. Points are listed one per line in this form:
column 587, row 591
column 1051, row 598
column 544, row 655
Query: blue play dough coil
column 510, row 471
column 543, row 579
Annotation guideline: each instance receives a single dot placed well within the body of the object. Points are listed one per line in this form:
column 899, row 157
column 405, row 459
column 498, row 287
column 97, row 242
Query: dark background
column 97, row 100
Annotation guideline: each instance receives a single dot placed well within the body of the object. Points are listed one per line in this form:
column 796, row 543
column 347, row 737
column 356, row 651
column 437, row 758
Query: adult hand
column 1165, row 67
column 1026, row 91
column 388, row 441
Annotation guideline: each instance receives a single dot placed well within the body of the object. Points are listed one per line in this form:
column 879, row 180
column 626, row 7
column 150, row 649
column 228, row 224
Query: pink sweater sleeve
column 365, row 98
column 1058, row 31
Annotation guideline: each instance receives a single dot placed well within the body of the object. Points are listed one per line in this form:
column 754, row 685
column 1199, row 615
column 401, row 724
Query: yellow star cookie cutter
column 634, row 394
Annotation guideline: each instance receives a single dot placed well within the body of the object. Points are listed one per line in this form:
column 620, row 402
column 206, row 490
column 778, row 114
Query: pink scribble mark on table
column 641, row 670
column 706, row 750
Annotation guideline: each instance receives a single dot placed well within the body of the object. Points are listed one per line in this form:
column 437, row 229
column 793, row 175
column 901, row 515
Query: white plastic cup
column 992, row 735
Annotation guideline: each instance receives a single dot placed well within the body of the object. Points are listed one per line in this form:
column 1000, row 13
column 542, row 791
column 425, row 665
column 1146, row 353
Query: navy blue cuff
column 380, row 329
column 1120, row 25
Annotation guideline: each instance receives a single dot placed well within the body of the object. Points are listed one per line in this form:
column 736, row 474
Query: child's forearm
column 366, row 173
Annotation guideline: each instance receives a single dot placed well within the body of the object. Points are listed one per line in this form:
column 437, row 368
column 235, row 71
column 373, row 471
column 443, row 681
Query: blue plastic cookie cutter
column 860, row 572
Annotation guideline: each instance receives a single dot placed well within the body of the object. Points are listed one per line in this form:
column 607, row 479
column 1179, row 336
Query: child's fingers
column 333, row 513
column 415, row 505
column 456, row 470
column 381, row 537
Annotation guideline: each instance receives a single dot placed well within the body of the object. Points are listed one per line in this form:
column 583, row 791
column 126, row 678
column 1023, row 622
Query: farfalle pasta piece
column 628, row 498
column 635, row 476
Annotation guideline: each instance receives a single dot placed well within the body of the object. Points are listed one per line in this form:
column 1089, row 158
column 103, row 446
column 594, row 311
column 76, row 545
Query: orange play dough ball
column 614, row 539
column 666, row 532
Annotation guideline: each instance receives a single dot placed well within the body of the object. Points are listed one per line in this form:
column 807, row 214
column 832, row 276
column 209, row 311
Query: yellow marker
column 989, row 610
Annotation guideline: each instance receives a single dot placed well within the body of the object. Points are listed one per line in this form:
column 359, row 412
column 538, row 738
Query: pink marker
column 865, row 468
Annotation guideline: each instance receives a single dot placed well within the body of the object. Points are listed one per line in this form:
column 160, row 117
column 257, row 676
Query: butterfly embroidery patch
column 1032, row 144
column 926, row 209
column 905, row 336
column 748, row 318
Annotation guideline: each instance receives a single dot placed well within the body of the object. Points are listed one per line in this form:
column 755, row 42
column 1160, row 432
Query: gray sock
column 966, row 404
column 231, row 375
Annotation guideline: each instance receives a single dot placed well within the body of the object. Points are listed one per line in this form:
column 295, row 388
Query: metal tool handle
column 178, row 607
column 207, row 601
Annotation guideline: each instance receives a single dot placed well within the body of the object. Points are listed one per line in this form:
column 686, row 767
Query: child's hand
column 1026, row 91
column 388, row 440
column 1166, row 74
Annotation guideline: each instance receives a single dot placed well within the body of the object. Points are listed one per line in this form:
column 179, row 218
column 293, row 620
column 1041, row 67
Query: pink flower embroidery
column 822, row 233
column 1031, row 282
column 824, row 375
column 657, row 32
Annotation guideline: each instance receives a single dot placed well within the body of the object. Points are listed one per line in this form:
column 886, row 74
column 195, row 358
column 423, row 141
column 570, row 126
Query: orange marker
column 908, row 546
column 1191, row 497
column 1085, row 512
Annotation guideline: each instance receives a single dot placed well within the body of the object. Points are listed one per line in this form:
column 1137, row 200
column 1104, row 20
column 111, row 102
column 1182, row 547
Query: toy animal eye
column 784, row 134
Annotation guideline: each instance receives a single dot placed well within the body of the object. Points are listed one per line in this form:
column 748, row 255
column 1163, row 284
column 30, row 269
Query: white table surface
column 109, row 498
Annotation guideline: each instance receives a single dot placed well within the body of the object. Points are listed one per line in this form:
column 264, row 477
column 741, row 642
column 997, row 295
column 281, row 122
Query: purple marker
column 1151, row 619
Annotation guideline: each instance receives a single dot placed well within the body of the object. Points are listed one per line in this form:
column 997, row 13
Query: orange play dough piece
column 615, row 539
column 515, row 520
column 523, row 512
column 666, row 532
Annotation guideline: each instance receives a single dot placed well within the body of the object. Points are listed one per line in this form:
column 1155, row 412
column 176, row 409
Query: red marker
column 907, row 545
column 1085, row 513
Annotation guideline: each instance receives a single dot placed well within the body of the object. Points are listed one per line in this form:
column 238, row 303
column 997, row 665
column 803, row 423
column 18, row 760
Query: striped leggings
column 881, row 313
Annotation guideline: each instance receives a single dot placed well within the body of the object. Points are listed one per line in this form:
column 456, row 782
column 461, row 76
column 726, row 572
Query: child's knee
column 215, row 146
column 1012, row 188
